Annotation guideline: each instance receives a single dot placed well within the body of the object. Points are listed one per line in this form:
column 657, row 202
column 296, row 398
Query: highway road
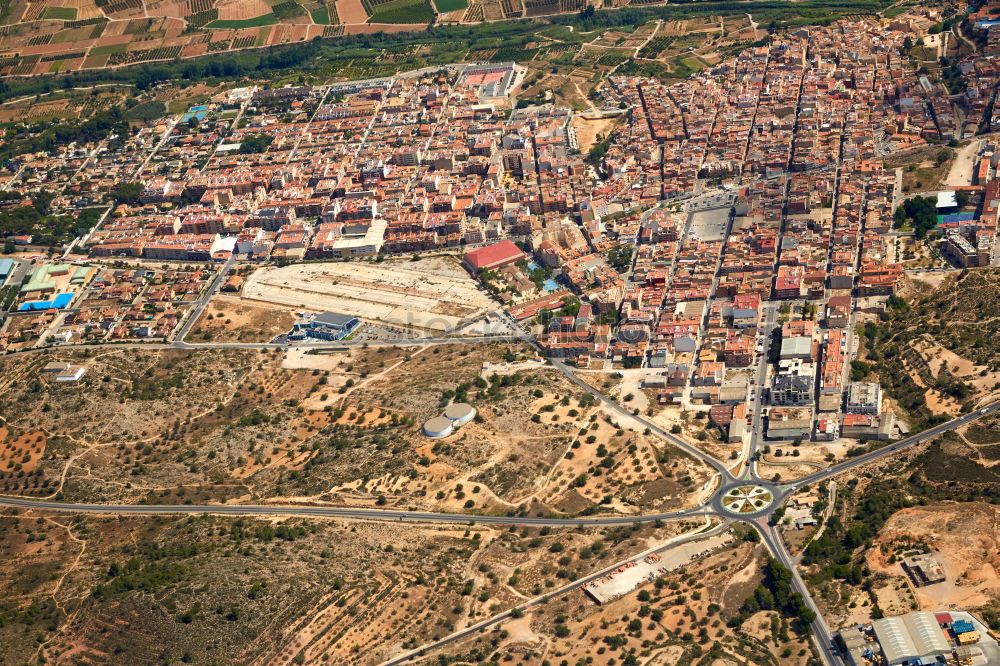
column 712, row 507
column 320, row 511
column 901, row 444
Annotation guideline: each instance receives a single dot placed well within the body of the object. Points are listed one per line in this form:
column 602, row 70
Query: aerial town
column 587, row 354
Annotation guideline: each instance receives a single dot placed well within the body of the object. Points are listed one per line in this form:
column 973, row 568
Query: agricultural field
column 237, row 24
column 450, row 5
column 66, row 35
column 351, row 11
column 322, row 16
column 402, row 11
column 59, row 13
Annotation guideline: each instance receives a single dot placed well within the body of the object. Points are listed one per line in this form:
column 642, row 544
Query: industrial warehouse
column 918, row 639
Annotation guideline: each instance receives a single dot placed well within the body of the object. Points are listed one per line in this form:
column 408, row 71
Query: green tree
column 126, row 193
column 255, row 143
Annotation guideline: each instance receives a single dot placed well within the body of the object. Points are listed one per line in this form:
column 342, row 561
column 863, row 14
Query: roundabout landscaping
column 745, row 499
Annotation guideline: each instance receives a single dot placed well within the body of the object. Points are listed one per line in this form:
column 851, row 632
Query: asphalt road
column 901, row 444
column 769, row 533
column 318, row 346
column 757, row 421
column 343, row 512
column 821, row 632
column 528, row 605
column 712, row 507
column 203, row 301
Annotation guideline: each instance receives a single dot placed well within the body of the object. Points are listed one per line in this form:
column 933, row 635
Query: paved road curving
column 712, row 507
column 545, row 598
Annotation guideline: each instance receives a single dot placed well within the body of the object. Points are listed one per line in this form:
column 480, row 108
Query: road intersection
column 742, row 496
column 760, row 497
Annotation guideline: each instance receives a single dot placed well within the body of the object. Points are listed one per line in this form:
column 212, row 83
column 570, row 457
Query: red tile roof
column 499, row 253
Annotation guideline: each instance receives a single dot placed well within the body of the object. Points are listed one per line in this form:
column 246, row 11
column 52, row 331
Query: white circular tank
column 460, row 413
column 438, row 427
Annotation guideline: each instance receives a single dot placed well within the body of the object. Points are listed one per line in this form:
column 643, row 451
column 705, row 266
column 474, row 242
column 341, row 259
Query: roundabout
column 745, row 500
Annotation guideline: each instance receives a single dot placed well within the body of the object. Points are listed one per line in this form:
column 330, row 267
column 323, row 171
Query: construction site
column 646, row 569
column 432, row 295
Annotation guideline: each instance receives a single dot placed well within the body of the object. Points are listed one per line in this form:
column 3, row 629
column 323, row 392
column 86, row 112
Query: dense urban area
column 474, row 332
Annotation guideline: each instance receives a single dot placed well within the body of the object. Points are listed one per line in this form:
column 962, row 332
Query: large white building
column 912, row 638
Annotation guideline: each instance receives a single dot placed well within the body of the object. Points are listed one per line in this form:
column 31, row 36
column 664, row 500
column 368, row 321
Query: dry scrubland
column 213, row 425
column 964, row 540
column 681, row 618
column 939, row 355
column 940, row 499
column 222, row 590
column 690, row 424
column 211, row 589
column 210, row 425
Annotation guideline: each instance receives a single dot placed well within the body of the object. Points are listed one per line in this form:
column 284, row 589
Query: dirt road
column 963, row 168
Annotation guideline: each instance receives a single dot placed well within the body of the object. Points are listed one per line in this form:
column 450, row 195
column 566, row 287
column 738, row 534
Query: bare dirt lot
column 229, row 319
column 20, row 453
column 587, row 130
column 433, row 294
column 964, row 540
column 351, row 11
column 243, row 9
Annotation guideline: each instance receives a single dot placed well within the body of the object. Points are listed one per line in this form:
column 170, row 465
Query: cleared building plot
column 629, row 576
column 430, row 294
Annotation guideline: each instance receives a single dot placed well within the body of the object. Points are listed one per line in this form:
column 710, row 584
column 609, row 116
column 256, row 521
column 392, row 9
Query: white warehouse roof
column 910, row 637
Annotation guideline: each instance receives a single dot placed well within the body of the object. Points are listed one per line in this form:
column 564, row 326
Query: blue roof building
column 962, row 626
column 325, row 326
